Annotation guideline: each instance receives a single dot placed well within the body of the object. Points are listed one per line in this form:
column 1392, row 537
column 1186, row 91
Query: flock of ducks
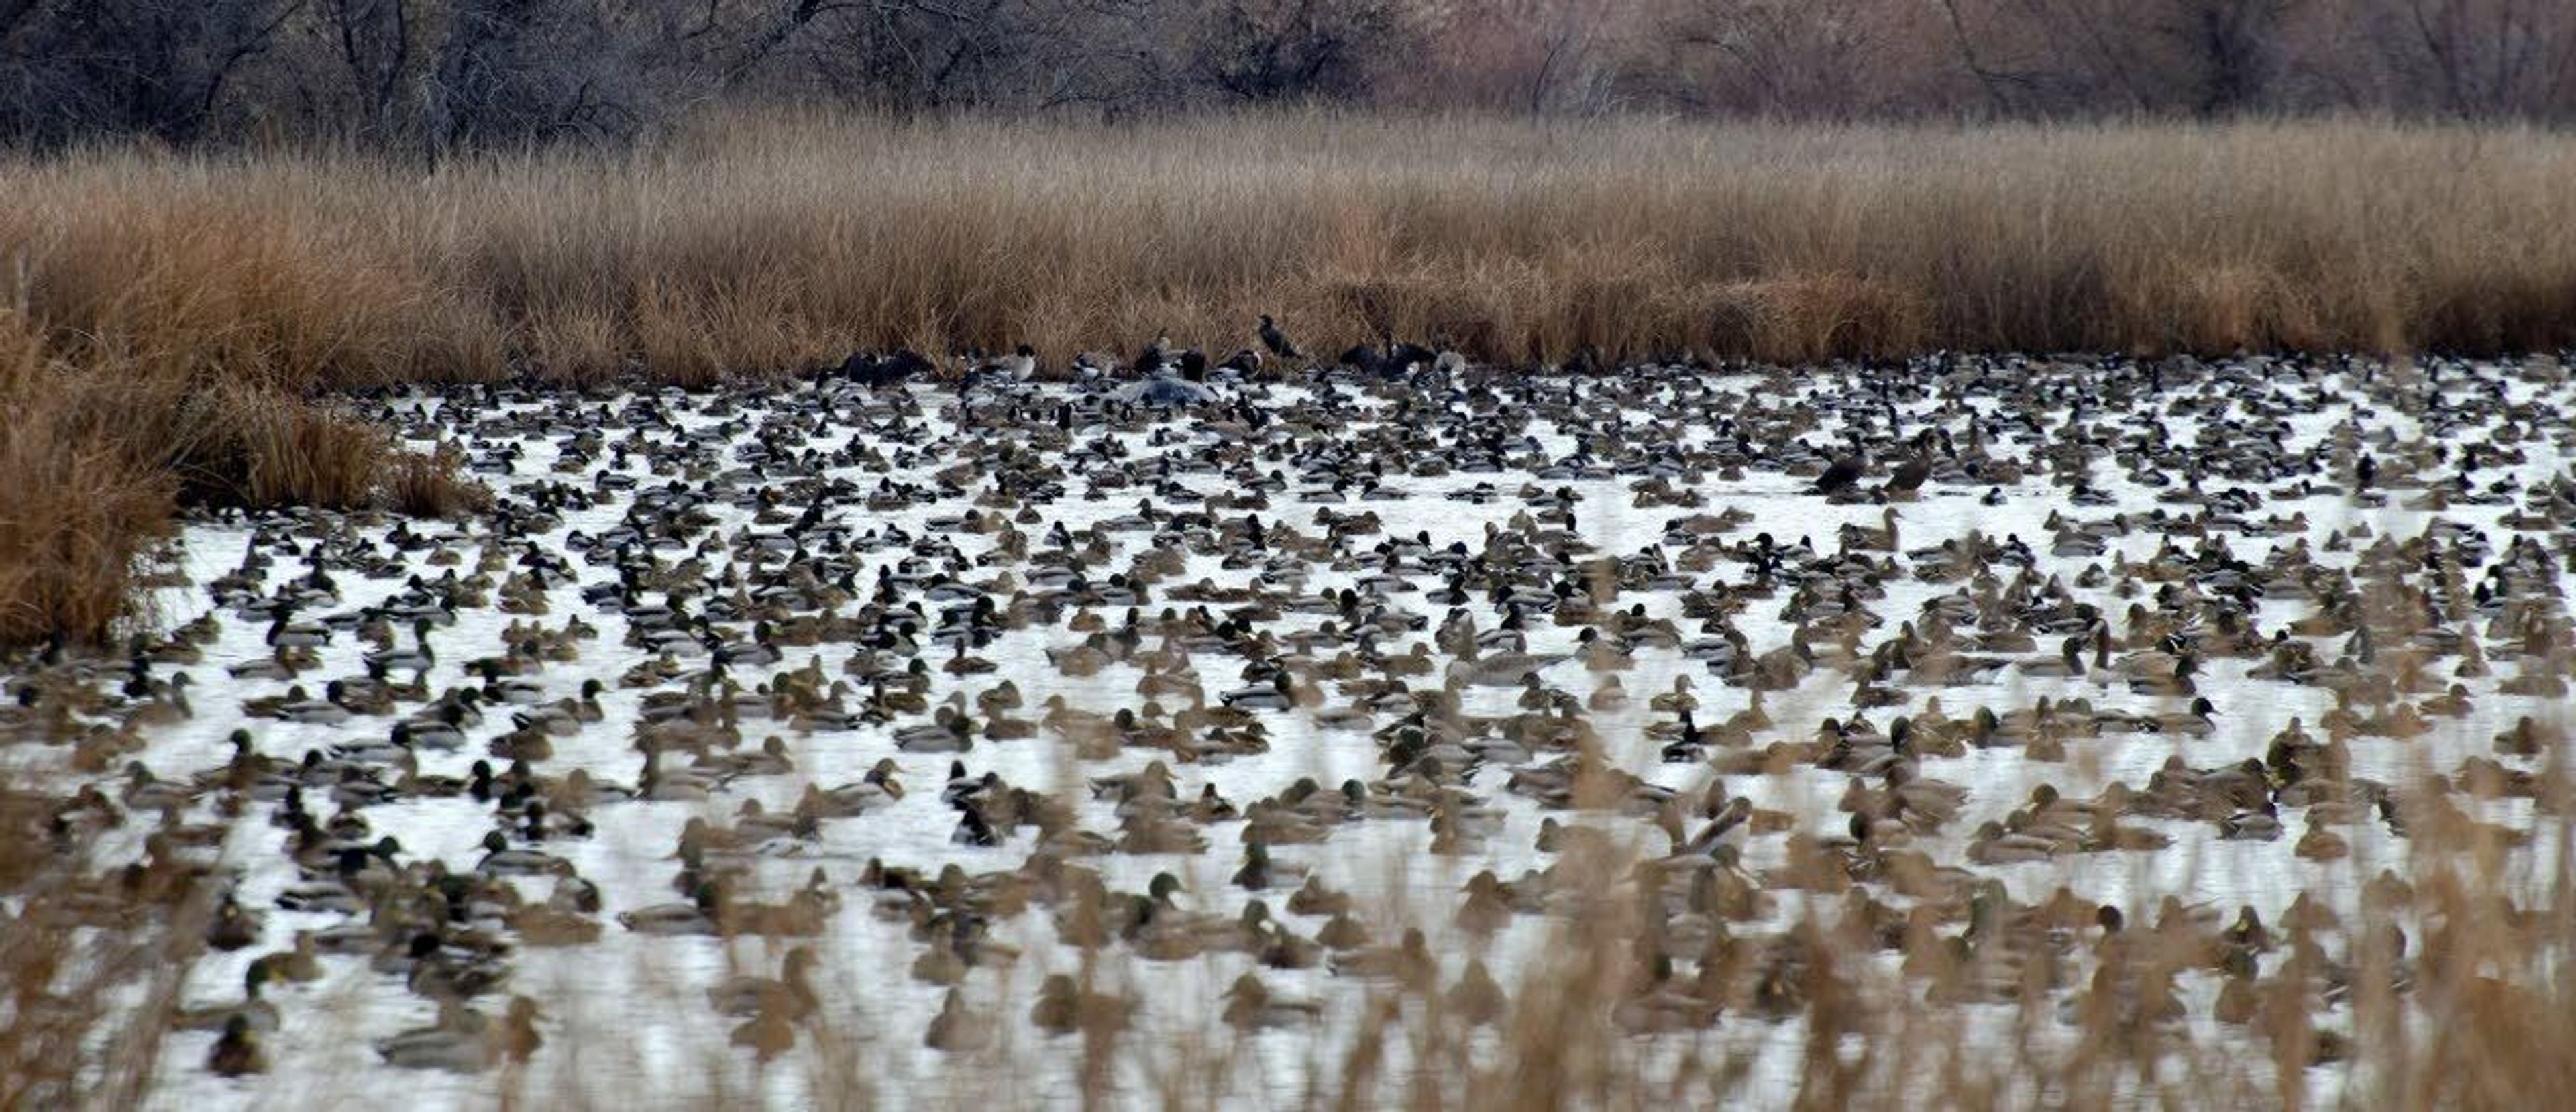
column 1543, row 612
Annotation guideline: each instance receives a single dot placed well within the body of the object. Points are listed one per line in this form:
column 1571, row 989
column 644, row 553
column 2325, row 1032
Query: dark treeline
column 427, row 76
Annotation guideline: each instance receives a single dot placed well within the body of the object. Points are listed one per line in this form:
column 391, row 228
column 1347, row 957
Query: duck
column 464, row 1041
column 789, row 995
column 878, row 789
column 1506, row 669
column 957, row 1029
column 1063, row 1007
column 237, row 1052
column 698, row 916
column 1250, row 1005
column 1408, row 963
column 252, row 1011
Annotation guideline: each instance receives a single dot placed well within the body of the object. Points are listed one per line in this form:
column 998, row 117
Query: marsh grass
column 770, row 242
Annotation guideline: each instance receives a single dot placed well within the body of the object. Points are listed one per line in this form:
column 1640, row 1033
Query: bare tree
column 2474, row 57
column 153, row 67
column 1781, row 58
column 376, row 43
column 427, row 76
column 2084, row 57
column 518, row 71
column 1274, row 50
column 2229, row 50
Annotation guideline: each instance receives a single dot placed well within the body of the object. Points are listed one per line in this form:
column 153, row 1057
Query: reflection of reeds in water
column 91, row 964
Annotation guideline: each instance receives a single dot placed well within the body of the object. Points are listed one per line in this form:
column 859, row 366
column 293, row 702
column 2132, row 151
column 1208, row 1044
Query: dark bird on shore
column 1366, row 359
column 1278, row 341
column 1194, row 366
column 1403, row 357
column 1586, row 361
column 876, row 371
column 1154, row 356
column 1246, row 362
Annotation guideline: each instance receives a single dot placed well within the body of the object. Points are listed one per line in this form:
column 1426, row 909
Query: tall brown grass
column 100, row 446
column 760, row 243
column 207, row 283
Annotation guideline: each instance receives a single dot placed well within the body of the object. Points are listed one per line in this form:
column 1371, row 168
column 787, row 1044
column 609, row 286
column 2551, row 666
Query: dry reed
column 768, row 243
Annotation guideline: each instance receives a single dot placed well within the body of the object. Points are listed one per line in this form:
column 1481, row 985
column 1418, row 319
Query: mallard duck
column 789, row 995
column 698, row 916
column 1063, row 1007
column 956, row 1028
column 464, row 1041
column 1408, row 963
column 1505, row 669
column 237, row 1052
column 877, row 789
column 252, row 1011
column 1251, row 1006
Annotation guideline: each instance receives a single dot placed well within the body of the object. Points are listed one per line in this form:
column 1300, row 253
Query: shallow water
column 626, row 1019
